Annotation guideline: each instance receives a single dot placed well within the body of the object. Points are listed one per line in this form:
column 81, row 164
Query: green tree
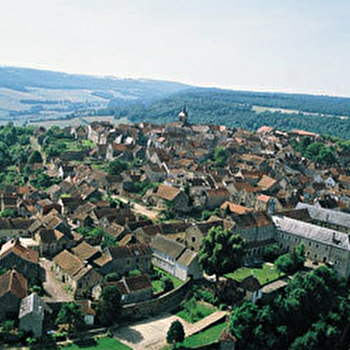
column 221, row 155
column 221, row 252
column 35, row 157
column 116, row 166
column 70, row 314
column 326, row 157
column 292, row 262
column 167, row 284
column 109, row 306
column 8, row 213
column 176, row 333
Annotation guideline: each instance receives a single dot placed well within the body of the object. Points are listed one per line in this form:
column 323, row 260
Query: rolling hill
column 40, row 96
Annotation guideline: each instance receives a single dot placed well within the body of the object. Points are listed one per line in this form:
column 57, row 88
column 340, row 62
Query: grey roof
column 32, row 304
column 326, row 215
column 311, row 232
column 167, row 246
column 186, row 257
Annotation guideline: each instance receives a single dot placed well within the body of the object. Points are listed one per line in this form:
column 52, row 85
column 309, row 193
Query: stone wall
column 166, row 302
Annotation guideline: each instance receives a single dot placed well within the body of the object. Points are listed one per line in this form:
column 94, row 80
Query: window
column 193, row 239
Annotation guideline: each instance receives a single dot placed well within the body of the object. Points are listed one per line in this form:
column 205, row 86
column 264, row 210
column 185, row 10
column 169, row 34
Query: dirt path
column 151, row 333
column 148, row 334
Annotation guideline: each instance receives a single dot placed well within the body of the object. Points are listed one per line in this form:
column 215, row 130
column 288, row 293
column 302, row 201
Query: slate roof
column 167, row 246
column 131, row 250
column 326, row 215
column 187, row 257
column 311, row 232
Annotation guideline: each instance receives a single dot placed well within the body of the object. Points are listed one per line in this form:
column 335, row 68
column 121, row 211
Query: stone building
column 175, row 258
column 13, row 288
column 26, row 261
column 32, row 314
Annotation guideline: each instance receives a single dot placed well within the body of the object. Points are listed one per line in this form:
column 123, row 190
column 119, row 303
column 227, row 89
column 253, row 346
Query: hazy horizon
column 290, row 46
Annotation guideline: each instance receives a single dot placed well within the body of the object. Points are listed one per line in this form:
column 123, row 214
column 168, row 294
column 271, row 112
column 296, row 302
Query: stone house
column 14, row 227
column 26, row 261
column 268, row 204
column 79, row 276
column 122, row 259
column 175, row 258
column 133, row 289
column 214, row 198
column 168, row 195
column 51, row 241
column 257, row 229
column 268, row 184
column 32, row 314
column 243, row 193
column 13, row 288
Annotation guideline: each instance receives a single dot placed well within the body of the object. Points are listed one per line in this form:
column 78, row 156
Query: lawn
column 194, row 310
column 98, row 344
column 157, row 286
column 209, row 336
column 267, row 273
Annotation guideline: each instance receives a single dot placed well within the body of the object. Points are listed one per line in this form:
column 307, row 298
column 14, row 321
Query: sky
column 268, row 45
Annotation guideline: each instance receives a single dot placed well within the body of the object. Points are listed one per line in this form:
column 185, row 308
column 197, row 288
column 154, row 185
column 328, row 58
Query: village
column 126, row 207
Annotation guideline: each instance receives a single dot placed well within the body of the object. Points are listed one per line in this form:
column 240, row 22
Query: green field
column 193, row 311
column 157, row 286
column 267, row 273
column 99, row 344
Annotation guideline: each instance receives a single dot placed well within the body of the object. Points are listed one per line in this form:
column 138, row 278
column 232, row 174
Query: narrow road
column 54, row 289
column 139, row 208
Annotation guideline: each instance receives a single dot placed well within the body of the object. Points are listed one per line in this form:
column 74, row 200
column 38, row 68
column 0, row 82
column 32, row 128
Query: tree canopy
column 176, row 333
column 109, row 305
column 221, row 252
column 311, row 313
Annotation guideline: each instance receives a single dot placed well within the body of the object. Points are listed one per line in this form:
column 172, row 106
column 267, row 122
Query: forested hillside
column 321, row 114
